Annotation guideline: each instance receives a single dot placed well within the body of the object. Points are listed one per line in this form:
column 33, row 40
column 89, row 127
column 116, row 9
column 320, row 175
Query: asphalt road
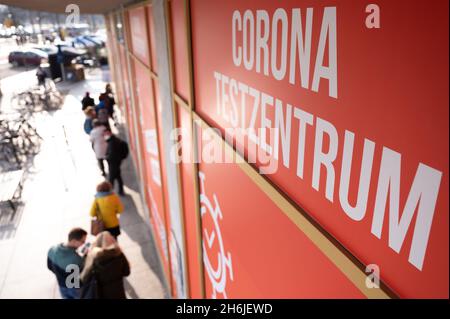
column 6, row 69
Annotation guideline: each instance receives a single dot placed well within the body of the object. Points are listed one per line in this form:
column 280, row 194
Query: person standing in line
column 111, row 101
column 108, row 89
column 107, row 265
column 102, row 110
column 99, row 143
column 107, row 206
column 116, row 152
column 41, row 76
column 101, row 102
column 63, row 255
column 87, row 101
column 103, row 117
column 90, row 116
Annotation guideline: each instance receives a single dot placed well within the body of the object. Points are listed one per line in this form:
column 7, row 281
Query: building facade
column 290, row 149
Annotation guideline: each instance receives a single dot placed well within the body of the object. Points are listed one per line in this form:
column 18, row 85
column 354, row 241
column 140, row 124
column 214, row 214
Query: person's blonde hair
column 105, row 240
column 103, row 243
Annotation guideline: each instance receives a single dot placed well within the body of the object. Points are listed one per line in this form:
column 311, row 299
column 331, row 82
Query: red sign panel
column 345, row 104
column 138, row 31
column 179, row 48
column 250, row 247
column 127, row 99
column 151, row 158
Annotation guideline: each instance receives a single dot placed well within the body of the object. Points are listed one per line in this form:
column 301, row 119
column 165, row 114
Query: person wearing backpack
column 116, row 152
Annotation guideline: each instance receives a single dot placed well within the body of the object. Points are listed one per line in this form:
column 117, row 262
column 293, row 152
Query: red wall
column 391, row 90
column 362, row 145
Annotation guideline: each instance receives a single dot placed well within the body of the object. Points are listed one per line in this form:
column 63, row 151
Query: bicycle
column 20, row 140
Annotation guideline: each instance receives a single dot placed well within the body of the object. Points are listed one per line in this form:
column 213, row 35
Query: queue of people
column 97, row 270
column 106, row 145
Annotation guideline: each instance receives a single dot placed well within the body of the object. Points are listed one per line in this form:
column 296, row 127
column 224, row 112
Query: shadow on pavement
column 130, row 290
column 9, row 220
column 139, row 232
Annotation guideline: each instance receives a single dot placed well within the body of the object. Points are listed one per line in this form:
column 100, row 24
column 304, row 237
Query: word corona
column 253, row 30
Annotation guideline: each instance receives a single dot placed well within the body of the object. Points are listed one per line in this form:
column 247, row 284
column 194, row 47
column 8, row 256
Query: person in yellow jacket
column 107, row 206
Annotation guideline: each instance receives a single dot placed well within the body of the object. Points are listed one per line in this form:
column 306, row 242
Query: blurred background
column 48, row 170
column 32, row 38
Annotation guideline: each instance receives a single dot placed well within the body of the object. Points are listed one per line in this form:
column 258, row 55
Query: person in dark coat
column 108, row 89
column 108, row 265
column 107, row 101
column 102, row 110
column 111, row 101
column 114, row 157
column 41, row 76
column 87, row 101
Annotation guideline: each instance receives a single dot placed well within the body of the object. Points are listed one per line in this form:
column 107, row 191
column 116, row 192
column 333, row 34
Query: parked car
column 27, row 57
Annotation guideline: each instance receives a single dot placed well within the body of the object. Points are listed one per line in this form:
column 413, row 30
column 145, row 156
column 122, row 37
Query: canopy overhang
column 59, row 6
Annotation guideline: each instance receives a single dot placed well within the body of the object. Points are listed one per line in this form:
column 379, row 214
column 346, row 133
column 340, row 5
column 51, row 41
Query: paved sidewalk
column 57, row 195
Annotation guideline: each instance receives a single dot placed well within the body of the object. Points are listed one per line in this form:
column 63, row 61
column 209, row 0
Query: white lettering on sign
column 421, row 198
column 268, row 113
column 358, row 211
column 257, row 52
column 284, row 125
column 237, row 26
column 219, row 266
column 304, row 118
column 303, row 47
column 326, row 159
